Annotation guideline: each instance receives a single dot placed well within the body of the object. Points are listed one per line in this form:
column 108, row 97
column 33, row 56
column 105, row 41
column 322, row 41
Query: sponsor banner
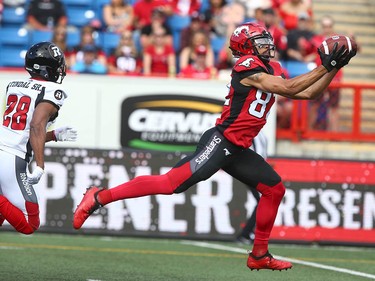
column 101, row 101
column 321, row 204
column 326, row 201
column 166, row 122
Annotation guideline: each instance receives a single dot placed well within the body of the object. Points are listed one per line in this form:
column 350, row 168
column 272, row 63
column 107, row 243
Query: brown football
column 327, row 45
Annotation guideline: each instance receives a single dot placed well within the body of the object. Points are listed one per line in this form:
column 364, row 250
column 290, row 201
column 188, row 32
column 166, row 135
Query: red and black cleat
column 88, row 205
column 267, row 261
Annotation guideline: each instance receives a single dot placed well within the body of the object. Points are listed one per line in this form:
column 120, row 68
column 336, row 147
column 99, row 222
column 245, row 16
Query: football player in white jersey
column 31, row 107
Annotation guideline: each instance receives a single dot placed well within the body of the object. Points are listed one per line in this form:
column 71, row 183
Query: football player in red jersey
column 255, row 81
column 32, row 105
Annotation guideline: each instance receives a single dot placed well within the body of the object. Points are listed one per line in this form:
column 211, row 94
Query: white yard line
column 312, row 264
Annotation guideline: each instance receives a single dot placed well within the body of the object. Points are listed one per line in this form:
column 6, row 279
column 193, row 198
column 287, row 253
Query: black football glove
column 345, row 60
column 330, row 61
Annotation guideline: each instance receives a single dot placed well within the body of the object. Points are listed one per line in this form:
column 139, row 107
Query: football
column 327, row 45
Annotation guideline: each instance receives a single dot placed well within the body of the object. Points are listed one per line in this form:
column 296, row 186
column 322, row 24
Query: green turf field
column 94, row 258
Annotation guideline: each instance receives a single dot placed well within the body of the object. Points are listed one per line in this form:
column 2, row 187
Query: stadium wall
column 327, row 201
column 96, row 104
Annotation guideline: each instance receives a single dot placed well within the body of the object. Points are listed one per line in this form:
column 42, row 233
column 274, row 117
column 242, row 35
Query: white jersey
column 21, row 99
column 260, row 144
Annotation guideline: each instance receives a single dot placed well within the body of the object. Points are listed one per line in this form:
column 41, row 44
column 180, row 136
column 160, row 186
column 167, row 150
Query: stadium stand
column 177, row 23
column 349, row 16
column 357, row 18
column 217, row 43
column 109, row 41
column 14, row 37
column 87, row 4
column 12, row 56
column 73, row 38
column 79, row 17
column 13, row 16
column 38, row 36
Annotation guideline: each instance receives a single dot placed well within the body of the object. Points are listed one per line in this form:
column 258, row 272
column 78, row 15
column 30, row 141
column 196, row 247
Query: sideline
column 312, row 264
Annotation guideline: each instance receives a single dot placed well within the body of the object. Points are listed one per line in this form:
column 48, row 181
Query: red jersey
column 246, row 108
column 143, row 9
column 159, row 64
column 192, row 72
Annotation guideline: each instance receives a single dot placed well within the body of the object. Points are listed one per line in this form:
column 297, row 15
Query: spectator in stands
column 88, row 35
column 198, row 68
column 90, row 63
column 270, row 21
column 223, row 17
column 59, row 38
column 253, row 8
column 125, row 59
column 45, row 14
column 118, row 16
column 212, row 15
column 143, row 11
column 185, row 7
column 188, row 53
column 159, row 58
column 324, row 111
column 291, row 9
column 197, row 24
column 225, row 61
column 299, row 46
column 158, row 19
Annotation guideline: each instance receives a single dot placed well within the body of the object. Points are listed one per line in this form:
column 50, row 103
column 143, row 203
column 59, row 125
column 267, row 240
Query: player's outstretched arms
column 295, row 88
column 285, row 87
column 316, row 89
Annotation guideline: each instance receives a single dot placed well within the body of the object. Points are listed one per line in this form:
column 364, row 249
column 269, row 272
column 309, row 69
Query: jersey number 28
column 16, row 113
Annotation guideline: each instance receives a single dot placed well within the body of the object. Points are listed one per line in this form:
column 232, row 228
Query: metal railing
column 359, row 109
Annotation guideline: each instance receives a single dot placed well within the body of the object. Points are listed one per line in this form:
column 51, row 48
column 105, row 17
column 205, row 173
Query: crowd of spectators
column 148, row 44
column 154, row 45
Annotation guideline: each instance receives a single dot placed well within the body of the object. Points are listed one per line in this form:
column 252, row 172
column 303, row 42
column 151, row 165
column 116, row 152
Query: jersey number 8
column 258, row 106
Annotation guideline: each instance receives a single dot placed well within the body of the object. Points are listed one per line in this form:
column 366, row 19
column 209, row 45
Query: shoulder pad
column 247, row 63
column 55, row 94
column 278, row 70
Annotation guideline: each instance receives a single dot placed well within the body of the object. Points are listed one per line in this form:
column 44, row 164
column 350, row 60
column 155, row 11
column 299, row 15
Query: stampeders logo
column 247, row 62
column 206, row 154
column 166, row 122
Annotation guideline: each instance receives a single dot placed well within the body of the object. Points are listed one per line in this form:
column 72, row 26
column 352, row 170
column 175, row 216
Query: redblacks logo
column 166, row 122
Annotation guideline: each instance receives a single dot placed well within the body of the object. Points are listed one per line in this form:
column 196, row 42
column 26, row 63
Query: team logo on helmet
column 239, row 29
column 55, row 51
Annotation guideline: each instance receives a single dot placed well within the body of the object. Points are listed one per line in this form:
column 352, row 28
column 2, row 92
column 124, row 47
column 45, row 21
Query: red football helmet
column 247, row 38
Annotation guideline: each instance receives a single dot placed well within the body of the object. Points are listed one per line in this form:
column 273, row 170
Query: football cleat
column 88, row 205
column 267, row 261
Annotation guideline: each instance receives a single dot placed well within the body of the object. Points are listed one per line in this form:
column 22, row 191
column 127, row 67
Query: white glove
column 35, row 176
column 65, row 133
